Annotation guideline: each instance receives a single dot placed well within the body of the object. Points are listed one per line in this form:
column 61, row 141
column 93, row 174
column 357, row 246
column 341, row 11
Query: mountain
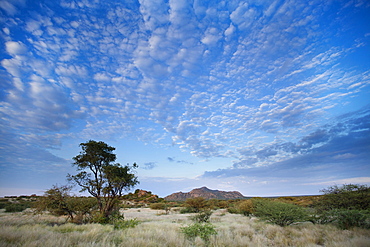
column 205, row 193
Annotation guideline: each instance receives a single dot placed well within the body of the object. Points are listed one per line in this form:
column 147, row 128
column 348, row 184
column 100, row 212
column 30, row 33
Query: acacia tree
column 347, row 196
column 100, row 176
column 58, row 201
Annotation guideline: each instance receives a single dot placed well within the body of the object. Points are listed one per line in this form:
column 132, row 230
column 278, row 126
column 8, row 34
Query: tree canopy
column 100, row 176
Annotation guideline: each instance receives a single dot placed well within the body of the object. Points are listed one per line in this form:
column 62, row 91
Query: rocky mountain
column 205, row 193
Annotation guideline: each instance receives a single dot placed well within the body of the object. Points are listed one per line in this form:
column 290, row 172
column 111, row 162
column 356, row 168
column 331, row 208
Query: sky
column 264, row 97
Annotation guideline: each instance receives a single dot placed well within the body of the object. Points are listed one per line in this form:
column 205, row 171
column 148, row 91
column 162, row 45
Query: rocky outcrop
column 205, row 193
column 141, row 196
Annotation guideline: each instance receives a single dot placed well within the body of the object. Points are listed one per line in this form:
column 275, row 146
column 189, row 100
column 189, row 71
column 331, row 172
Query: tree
column 100, row 176
column 58, row 201
column 347, row 196
column 196, row 204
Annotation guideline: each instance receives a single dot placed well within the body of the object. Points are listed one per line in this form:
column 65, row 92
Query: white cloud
column 15, row 48
column 230, row 30
column 355, row 180
column 10, row 6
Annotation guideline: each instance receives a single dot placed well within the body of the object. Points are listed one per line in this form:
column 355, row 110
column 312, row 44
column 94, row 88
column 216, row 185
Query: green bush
column 4, row 204
column 347, row 219
column 188, row 210
column 233, row 210
column 204, row 231
column 98, row 217
column 202, row 217
column 15, row 207
column 282, row 214
column 124, row 224
column 324, row 217
column 347, row 196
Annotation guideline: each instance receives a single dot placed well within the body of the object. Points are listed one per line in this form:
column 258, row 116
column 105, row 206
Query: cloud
column 28, row 152
column 149, row 165
column 256, row 82
column 354, row 180
column 10, row 6
column 173, row 159
column 339, row 152
column 15, row 48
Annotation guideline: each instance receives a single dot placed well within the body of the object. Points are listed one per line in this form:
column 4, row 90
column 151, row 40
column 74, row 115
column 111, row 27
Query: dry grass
column 156, row 229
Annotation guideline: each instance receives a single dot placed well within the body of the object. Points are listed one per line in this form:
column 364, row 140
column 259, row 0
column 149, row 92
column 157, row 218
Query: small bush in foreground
column 347, row 219
column 324, row 217
column 204, row 231
column 282, row 214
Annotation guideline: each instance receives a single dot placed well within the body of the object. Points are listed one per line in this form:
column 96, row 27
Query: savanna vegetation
column 108, row 217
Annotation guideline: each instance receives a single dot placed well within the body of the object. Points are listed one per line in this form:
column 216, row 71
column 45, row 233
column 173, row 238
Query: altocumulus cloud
column 263, row 85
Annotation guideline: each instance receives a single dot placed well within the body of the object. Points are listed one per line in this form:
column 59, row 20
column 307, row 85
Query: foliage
column 202, row 217
column 324, row 217
column 195, row 205
column 204, row 231
column 158, row 206
column 347, row 219
column 233, row 210
column 348, row 196
column 282, row 214
column 343, row 218
column 124, row 224
column 15, row 207
column 217, row 203
column 346, row 206
column 188, row 210
column 58, row 201
column 246, row 207
column 55, row 201
column 100, row 176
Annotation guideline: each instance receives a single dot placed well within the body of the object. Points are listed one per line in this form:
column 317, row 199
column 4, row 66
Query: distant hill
column 205, row 193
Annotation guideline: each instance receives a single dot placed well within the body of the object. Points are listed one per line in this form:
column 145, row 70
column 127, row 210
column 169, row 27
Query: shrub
column 233, row 210
column 98, row 217
column 188, row 210
column 196, row 204
column 245, row 207
column 3, row 204
column 15, row 207
column 347, row 219
column 204, row 231
column 223, row 204
column 324, row 217
column 202, row 217
column 157, row 206
column 124, row 224
column 282, row 214
column 347, row 196
column 58, row 201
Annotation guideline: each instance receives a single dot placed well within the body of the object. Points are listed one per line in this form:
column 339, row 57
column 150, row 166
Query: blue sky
column 263, row 97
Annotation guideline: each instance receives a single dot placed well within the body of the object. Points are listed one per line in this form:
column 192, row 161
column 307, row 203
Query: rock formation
column 205, row 193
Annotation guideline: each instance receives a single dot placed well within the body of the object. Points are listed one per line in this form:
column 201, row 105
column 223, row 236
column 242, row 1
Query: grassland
column 159, row 229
